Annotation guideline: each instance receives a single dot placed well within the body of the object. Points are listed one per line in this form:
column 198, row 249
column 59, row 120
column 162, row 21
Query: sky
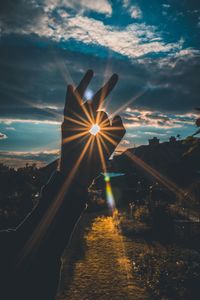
column 153, row 46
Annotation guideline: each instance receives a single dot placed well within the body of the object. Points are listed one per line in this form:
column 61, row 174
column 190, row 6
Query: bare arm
column 36, row 245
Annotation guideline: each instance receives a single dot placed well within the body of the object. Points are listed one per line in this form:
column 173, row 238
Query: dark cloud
column 175, row 85
column 34, row 74
column 19, row 14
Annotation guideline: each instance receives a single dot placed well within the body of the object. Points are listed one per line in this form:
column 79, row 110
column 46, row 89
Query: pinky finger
column 117, row 125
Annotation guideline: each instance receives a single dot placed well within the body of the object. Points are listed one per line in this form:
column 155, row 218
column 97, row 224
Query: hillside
column 180, row 160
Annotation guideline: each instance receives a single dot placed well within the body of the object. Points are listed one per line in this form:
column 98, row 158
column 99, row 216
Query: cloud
column 154, row 133
column 175, row 84
column 131, row 135
column 133, row 41
column 20, row 158
column 55, row 41
column 136, row 40
column 33, row 82
column 10, row 128
column 10, row 121
column 100, row 6
column 20, row 163
column 134, row 10
column 30, row 154
column 125, row 142
column 156, row 119
column 20, row 15
column 166, row 5
column 3, row 136
column 185, row 53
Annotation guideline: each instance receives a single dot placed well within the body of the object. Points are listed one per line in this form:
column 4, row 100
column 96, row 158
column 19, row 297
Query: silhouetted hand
column 84, row 155
column 197, row 122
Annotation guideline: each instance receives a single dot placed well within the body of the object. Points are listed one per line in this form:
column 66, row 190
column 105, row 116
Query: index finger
column 81, row 88
column 104, row 92
column 68, row 98
column 74, row 96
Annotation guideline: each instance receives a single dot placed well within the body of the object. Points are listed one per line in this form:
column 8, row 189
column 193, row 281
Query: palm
column 84, row 155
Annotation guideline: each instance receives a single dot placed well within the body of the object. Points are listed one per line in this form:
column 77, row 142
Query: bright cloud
column 153, row 133
column 100, row 6
column 189, row 52
column 137, row 118
column 9, row 121
column 134, row 41
column 134, row 10
column 3, row 136
column 30, row 153
column 10, row 128
column 16, row 159
column 166, row 5
column 125, row 142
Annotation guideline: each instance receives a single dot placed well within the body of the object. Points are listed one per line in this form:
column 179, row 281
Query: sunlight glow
column 88, row 94
column 84, row 126
column 94, row 129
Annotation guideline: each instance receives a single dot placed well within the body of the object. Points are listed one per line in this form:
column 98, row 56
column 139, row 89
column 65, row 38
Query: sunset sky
column 154, row 47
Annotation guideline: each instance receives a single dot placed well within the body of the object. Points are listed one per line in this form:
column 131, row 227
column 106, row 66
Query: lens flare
column 94, row 129
column 88, row 94
column 109, row 194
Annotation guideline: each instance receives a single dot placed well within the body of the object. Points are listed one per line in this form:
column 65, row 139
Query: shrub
column 170, row 273
column 142, row 214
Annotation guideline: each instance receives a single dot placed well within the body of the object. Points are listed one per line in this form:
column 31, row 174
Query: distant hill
column 179, row 160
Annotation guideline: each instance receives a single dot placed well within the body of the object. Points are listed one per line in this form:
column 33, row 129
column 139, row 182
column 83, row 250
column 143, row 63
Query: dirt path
column 96, row 266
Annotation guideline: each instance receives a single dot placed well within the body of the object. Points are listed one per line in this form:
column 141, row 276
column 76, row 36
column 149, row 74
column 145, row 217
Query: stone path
column 96, row 266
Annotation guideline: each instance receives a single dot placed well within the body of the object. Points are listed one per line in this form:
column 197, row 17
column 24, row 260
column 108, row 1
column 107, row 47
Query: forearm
column 55, row 216
column 31, row 253
column 67, row 209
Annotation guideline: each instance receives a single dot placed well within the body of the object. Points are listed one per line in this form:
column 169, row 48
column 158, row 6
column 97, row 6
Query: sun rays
column 91, row 124
column 90, row 127
column 163, row 180
column 82, row 127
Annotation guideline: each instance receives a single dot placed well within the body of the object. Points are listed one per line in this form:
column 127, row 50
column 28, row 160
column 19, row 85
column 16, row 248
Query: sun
column 94, row 129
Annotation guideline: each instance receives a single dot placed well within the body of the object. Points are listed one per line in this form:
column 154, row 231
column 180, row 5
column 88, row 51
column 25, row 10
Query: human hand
column 84, row 155
column 197, row 122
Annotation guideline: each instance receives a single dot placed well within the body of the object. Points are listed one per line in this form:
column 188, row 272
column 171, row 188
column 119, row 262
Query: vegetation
column 19, row 193
column 142, row 214
column 169, row 273
column 168, row 266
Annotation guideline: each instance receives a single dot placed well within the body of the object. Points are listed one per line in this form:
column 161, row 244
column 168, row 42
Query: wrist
column 62, row 181
column 79, row 178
